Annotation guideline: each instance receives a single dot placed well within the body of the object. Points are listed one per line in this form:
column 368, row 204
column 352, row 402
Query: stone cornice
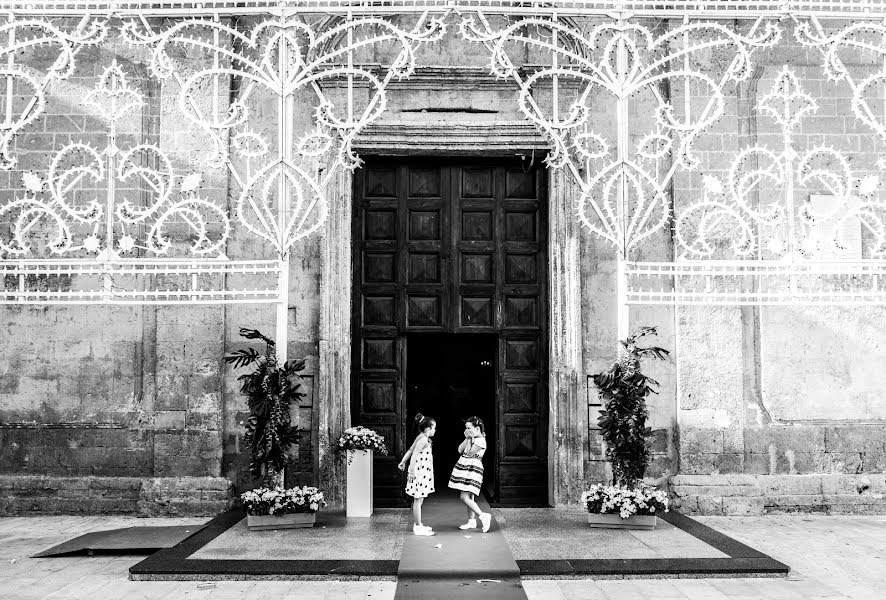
column 464, row 139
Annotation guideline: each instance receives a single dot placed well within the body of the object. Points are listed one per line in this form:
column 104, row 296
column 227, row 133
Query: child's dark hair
column 478, row 423
column 422, row 422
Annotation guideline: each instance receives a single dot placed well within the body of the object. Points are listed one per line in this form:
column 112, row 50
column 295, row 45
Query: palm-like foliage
column 271, row 390
column 622, row 421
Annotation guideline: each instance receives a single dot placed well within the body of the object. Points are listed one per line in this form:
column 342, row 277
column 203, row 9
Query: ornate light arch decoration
column 281, row 175
column 111, row 205
column 731, row 246
column 151, row 212
column 624, row 197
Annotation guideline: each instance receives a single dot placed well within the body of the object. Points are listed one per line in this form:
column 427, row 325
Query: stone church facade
column 533, row 189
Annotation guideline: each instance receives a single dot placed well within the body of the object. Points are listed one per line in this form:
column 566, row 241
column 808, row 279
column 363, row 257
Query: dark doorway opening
column 451, row 377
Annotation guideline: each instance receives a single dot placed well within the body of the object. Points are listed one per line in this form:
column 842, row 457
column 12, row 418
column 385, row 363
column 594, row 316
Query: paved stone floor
column 831, row 557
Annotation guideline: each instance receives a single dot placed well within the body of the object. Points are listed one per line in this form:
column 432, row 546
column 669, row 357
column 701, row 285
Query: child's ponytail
column 422, row 422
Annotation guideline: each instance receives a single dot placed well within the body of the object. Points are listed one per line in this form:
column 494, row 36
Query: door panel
column 523, row 408
column 445, row 247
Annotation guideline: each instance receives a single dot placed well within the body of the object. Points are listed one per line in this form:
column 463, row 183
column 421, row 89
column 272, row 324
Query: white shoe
column 471, row 524
column 486, row 519
column 421, row 530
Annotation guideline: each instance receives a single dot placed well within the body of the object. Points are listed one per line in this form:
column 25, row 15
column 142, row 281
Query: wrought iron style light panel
column 125, row 208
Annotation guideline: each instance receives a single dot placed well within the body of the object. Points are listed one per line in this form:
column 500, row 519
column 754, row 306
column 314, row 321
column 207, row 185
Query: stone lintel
column 452, row 139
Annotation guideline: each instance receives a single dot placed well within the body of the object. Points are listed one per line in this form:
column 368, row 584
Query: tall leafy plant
column 271, row 390
column 623, row 389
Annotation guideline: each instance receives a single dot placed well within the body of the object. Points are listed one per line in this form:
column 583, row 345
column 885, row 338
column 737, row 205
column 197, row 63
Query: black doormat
column 506, row 588
column 174, row 564
column 128, row 540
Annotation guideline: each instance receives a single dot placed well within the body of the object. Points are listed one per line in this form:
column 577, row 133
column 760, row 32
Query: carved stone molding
column 462, row 139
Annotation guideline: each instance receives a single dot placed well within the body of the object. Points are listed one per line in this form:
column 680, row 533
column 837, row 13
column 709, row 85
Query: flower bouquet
column 623, row 507
column 281, row 508
column 362, row 438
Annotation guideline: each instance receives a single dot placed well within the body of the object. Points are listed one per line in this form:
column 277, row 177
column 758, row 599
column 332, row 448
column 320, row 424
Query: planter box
column 290, row 521
column 616, row 522
column 360, row 480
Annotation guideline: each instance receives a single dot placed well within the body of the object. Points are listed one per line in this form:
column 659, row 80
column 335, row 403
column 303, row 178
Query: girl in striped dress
column 467, row 476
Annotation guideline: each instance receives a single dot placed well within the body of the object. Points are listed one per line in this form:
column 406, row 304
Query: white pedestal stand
column 359, row 493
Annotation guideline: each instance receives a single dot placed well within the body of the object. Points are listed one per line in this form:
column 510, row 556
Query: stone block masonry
column 143, row 496
column 749, row 495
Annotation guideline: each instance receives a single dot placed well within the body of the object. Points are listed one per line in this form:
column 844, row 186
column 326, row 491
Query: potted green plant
column 271, row 389
column 279, row 508
column 624, row 388
column 360, row 443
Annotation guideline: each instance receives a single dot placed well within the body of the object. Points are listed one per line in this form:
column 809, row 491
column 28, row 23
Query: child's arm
column 418, row 446
column 477, row 449
column 463, row 446
column 402, row 464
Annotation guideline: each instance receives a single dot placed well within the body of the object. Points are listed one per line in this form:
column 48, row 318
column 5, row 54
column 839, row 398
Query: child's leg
column 416, row 510
column 470, row 512
column 473, row 509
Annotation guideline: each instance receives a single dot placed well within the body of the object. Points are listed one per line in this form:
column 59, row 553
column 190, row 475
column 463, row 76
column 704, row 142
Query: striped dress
column 467, row 475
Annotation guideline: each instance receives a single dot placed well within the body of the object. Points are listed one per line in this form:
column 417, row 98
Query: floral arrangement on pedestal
column 282, row 501
column 362, row 438
column 623, row 389
column 361, row 443
column 641, row 500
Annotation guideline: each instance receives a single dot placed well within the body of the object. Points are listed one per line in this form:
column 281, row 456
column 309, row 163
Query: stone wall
column 751, row 495
column 761, row 409
column 145, row 497
column 781, row 408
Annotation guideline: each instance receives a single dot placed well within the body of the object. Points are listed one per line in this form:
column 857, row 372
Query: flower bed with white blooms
column 282, row 501
column 625, row 502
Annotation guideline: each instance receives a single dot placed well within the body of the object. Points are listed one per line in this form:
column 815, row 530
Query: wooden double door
column 451, row 247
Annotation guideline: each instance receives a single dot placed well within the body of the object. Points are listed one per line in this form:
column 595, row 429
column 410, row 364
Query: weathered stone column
column 568, row 428
column 334, row 385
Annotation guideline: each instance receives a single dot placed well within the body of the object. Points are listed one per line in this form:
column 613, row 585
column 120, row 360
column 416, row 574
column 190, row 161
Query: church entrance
column 450, row 273
column 451, row 377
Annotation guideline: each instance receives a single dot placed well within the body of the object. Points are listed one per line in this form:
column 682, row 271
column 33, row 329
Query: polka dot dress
column 423, row 484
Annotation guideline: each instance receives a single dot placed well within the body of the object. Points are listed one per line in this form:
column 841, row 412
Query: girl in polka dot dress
column 421, row 471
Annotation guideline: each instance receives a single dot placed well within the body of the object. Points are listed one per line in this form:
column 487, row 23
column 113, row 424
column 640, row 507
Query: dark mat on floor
column 459, row 589
column 455, row 563
column 128, row 540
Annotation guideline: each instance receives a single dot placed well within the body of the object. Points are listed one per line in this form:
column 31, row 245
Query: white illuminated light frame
column 292, row 49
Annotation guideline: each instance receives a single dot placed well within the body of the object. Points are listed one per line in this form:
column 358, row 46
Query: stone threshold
column 173, row 563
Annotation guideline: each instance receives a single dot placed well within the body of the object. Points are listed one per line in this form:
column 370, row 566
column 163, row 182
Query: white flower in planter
column 642, row 500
